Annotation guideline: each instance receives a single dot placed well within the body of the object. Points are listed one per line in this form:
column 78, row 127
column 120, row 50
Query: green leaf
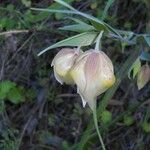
column 78, row 12
column 134, row 68
column 128, row 120
column 77, row 20
column 5, row 87
column 99, row 26
column 2, row 96
column 146, row 127
column 58, row 6
column 74, row 11
column 83, row 39
column 78, row 28
column 145, row 56
column 54, row 10
column 64, row 4
column 147, row 39
column 106, row 117
column 15, row 95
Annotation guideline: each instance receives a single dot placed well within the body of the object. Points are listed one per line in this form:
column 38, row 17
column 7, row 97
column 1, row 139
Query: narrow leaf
column 147, row 39
column 78, row 28
column 77, row 20
column 64, row 4
column 134, row 68
column 54, row 10
column 82, row 39
column 88, row 17
column 145, row 56
column 99, row 26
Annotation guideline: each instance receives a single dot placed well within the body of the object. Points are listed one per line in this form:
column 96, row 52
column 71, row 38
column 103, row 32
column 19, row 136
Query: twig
column 14, row 32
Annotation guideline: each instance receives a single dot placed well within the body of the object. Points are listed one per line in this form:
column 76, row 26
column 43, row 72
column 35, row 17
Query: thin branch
column 13, row 32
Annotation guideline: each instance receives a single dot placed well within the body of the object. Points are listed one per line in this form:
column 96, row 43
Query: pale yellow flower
column 62, row 64
column 143, row 76
column 93, row 74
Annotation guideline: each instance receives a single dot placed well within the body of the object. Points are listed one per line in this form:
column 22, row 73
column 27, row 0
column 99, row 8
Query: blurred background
column 36, row 112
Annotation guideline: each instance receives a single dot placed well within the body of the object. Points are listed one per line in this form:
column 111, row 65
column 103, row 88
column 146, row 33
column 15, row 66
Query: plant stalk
column 98, row 42
column 96, row 127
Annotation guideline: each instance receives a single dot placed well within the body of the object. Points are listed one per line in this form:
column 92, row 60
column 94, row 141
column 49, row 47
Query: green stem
column 98, row 41
column 96, row 127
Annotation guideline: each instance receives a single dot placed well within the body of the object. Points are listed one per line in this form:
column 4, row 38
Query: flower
column 93, row 74
column 143, row 76
column 62, row 64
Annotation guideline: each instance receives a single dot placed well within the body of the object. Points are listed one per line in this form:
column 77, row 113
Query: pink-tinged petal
column 82, row 98
column 64, row 56
column 58, row 77
column 77, row 72
column 107, row 61
column 82, row 56
column 90, row 99
column 91, row 103
column 64, row 52
column 91, row 67
column 93, row 74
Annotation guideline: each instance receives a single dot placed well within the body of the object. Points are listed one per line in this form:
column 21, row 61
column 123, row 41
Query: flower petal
column 91, row 67
column 77, row 73
column 58, row 78
column 82, row 98
column 62, row 64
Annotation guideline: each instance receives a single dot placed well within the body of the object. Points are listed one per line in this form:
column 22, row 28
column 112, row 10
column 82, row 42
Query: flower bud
column 62, row 64
column 143, row 76
column 93, row 73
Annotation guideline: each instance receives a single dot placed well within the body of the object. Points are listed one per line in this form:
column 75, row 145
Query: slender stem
column 13, row 32
column 79, row 48
column 96, row 127
column 98, row 41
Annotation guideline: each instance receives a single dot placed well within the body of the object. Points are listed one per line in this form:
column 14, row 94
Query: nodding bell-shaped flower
column 62, row 64
column 93, row 74
column 143, row 76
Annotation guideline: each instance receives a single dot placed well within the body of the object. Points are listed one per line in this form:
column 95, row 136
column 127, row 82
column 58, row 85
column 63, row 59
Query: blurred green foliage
column 106, row 117
column 9, row 141
column 10, row 91
column 15, row 94
column 128, row 120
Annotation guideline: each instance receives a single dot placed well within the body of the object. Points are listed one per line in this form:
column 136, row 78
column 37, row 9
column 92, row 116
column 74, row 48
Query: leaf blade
column 83, row 39
column 147, row 39
column 64, row 4
column 145, row 56
column 77, row 28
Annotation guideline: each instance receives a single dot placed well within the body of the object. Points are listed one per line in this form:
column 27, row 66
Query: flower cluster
column 92, row 71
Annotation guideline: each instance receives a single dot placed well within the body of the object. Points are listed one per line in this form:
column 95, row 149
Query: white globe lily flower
column 93, row 74
column 62, row 64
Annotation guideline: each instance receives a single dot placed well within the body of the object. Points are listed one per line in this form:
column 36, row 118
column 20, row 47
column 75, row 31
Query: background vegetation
column 36, row 112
